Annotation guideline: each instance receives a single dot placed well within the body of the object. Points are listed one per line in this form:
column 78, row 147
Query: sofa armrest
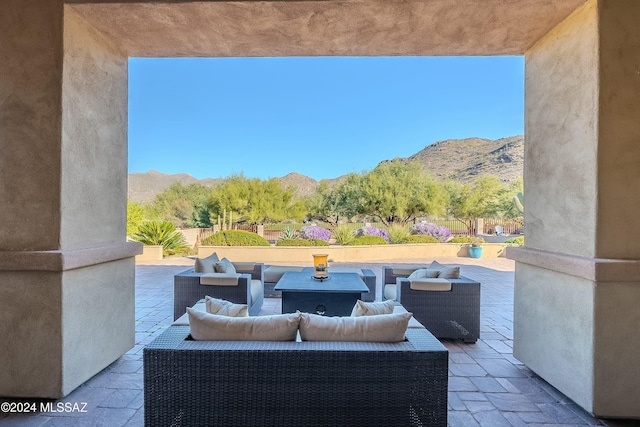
column 220, row 279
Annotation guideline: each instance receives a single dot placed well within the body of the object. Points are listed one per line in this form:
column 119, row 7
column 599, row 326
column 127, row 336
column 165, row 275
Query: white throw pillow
column 211, row 327
column 382, row 328
column 225, row 308
column 445, row 272
column 205, row 265
column 224, row 266
column 373, row 308
column 424, row 273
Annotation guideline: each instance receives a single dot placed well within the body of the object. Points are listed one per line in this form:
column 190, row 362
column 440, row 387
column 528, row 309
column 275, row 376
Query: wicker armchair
column 453, row 314
column 249, row 290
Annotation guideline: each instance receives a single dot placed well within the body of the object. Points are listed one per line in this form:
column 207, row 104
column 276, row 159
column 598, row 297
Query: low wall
column 279, row 254
column 150, row 253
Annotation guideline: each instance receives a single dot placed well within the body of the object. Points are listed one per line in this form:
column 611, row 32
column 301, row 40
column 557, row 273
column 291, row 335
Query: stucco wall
column 30, row 110
column 98, row 306
column 619, row 130
column 577, row 291
column 554, row 329
column 30, row 333
column 94, row 138
column 561, row 128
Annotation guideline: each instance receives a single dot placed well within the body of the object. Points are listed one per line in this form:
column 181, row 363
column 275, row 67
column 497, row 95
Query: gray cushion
column 205, row 265
column 430, row 285
column 423, row 273
column 224, row 266
column 273, row 273
column 257, row 290
column 390, row 292
column 445, row 271
column 219, row 279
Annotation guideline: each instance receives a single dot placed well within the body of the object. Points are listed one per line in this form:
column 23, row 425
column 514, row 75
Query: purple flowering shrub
column 315, row 232
column 373, row 231
column 429, row 229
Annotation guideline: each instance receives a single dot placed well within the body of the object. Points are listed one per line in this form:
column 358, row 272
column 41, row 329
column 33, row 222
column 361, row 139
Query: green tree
column 342, row 202
column 179, row 204
column 135, row 217
column 470, row 201
column 398, row 192
column 254, row 201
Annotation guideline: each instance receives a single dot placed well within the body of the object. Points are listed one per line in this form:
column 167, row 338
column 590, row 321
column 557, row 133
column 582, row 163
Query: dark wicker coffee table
column 333, row 297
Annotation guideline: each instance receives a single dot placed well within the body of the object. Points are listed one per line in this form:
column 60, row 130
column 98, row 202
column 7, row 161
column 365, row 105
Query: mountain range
column 458, row 159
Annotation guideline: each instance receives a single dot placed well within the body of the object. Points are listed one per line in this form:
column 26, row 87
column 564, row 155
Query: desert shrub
column 235, row 238
column 343, row 234
column 301, row 242
column 398, row 234
column 315, row 232
column 440, row 232
column 518, row 241
column 162, row 233
column 369, row 240
column 466, row 239
column 288, row 233
column 421, row 238
column 318, row 242
column 294, row 242
column 373, row 231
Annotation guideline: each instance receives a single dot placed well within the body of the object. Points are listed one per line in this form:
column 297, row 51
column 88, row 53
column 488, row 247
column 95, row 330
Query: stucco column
column 577, row 289
column 66, row 272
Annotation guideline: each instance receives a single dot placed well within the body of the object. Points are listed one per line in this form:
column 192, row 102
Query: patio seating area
column 487, row 385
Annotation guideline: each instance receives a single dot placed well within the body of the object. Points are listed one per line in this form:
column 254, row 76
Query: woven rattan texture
column 190, row 383
column 187, row 290
column 451, row 314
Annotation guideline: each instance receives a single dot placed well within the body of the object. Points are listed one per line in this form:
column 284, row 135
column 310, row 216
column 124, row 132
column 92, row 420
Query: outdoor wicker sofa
column 234, row 383
column 453, row 314
column 249, row 288
column 273, row 273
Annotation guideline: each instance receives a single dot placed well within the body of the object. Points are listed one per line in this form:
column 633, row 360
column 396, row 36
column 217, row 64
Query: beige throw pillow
column 225, row 308
column 382, row 328
column 224, row 266
column 372, row 308
column 445, row 272
column 205, row 265
column 424, row 273
column 211, row 327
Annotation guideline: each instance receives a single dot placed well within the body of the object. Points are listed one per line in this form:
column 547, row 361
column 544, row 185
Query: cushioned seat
column 448, row 306
column 273, row 273
column 245, row 286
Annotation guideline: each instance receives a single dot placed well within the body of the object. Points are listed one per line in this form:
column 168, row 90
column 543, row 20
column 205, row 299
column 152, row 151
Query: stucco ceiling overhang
column 324, row 28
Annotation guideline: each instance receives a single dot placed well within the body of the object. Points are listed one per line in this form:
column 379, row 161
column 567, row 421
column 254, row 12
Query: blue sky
column 320, row 116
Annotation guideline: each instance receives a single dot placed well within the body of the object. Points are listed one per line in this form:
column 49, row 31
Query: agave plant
column 162, row 233
column 288, row 233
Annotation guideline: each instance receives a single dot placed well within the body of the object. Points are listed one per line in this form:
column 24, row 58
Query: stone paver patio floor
column 487, row 385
